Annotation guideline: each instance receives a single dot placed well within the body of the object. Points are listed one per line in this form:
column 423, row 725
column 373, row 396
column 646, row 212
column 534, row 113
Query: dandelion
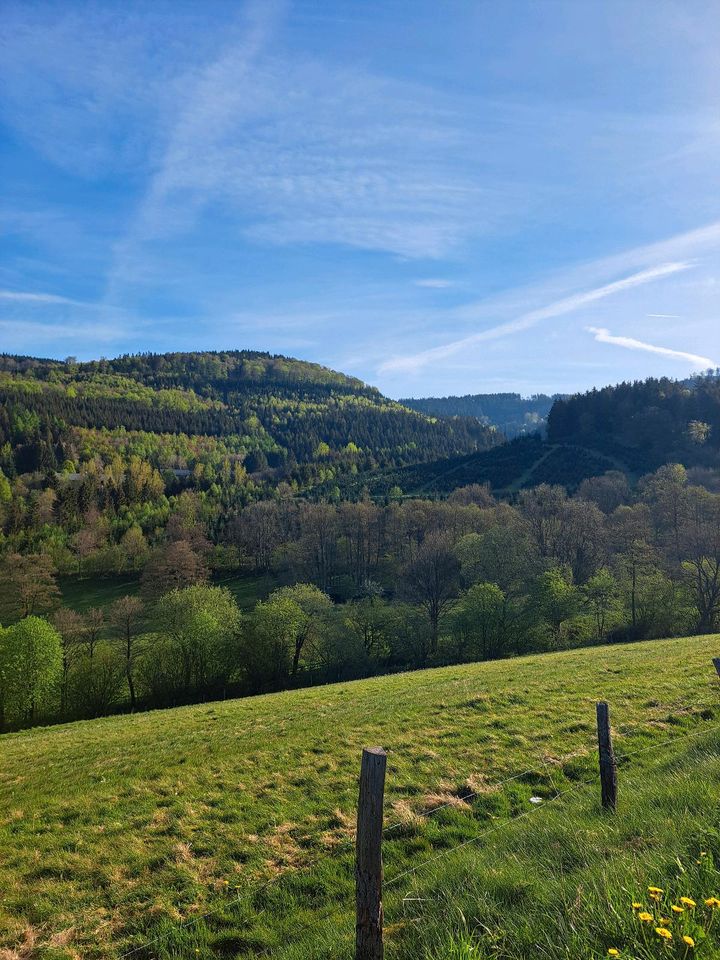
column 712, row 902
column 663, row 932
column 655, row 890
column 676, row 909
column 612, row 952
column 689, row 941
column 637, row 906
column 688, row 902
column 645, row 916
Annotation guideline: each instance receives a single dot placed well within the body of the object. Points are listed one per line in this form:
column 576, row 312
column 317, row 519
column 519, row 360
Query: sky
column 438, row 198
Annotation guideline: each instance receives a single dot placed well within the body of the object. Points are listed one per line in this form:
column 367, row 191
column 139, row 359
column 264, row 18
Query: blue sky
column 435, row 197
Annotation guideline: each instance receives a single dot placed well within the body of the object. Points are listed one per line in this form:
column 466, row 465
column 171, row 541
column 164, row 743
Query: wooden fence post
column 368, row 856
column 716, row 663
column 608, row 769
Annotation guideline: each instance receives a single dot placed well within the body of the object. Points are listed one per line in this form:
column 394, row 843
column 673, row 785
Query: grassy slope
column 82, row 593
column 114, row 830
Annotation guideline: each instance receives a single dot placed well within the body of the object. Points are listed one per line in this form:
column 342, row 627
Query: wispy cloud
column 602, row 335
column 664, row 316
column 434, row 283
column 532, row 317
column 17, row 333
column 20, row 296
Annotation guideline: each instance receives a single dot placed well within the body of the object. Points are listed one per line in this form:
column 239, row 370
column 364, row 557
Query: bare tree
column 431, row 579
column 126, row 617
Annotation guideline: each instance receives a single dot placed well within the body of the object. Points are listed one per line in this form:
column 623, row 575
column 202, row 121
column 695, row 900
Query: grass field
column 118, row 831
column 82, row 593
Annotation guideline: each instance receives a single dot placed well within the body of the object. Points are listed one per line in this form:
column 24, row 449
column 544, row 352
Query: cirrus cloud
column 602, row 335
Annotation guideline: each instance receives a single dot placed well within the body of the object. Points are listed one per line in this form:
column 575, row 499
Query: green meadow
column 225, row 829
column 83, row 593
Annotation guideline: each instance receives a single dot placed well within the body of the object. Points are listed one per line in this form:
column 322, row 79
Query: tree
column 30, row 664
column 98, row 682
column 602, row 597
column 5, row 488
column 556, row 600
column 126, row 616
column 268, row 650
column 203, row 625
column 479, row 620
column 172, row 567
column 431, row 579
column 69, row 625
column 700, row 551
column 305, row 610
column 504, row 554
column 666, row 492
column 92, row 628
column 29, row 585
column 258, row 532
column 608, row 491
column 134, row 549
column 630, row 534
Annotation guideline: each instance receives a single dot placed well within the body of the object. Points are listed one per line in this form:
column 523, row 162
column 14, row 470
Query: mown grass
column 117, row 831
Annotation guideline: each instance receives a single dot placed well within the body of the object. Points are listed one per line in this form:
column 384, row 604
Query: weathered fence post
column 716, row 663
column 368, row 856
column 608, row 769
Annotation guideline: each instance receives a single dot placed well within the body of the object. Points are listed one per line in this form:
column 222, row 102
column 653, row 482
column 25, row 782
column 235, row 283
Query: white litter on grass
column 536, row 800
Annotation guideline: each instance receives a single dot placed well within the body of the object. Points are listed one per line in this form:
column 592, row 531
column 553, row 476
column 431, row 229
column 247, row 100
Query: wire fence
column 458, row 800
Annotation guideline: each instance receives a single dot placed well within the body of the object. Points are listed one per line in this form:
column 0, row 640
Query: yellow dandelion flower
column 712, row 902
column 676, row 909
column 637, row 906
column 688, row 902
column 612, row 952
column 662, row 932
column 645, row 916
column 655, row 890
column 689, row 941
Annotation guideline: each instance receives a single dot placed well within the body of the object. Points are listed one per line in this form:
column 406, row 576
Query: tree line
column 361, row 588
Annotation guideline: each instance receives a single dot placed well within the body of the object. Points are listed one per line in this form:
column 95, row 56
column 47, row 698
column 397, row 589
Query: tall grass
column 225, row 830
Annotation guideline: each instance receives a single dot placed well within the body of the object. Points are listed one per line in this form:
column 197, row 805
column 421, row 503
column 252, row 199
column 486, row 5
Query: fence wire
column 346, row 845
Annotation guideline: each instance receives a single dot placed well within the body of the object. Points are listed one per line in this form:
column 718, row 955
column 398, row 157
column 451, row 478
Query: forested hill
column 244, row 416
column 510, row 413
column 646, row 423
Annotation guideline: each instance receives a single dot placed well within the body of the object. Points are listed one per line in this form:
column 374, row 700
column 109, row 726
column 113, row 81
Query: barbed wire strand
column 344, row 846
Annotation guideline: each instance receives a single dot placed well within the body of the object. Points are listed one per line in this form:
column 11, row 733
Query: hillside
column 122, row 830
column 632, row 427
column 203, row 417
column 510, row 413
column 521, row 463
column 645, row 423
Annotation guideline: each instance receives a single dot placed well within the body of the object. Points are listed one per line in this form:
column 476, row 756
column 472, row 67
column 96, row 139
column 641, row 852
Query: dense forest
column 646, row 423
column 121, row 439
column 387, row 539
column 510, row 413
column 361, row 588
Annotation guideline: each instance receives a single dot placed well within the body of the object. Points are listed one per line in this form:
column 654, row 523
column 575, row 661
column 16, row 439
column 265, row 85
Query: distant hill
column 523, row 462
column 275, row 417
column 511, row 413
column 632, row 427
column 646, row 423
